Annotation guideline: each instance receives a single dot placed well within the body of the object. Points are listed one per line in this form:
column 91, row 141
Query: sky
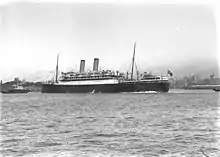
column 180, row 37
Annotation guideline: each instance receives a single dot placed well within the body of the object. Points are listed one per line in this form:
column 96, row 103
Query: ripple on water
column 171, row 124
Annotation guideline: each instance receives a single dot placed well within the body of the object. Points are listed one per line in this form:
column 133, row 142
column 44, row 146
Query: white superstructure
column 88, row 82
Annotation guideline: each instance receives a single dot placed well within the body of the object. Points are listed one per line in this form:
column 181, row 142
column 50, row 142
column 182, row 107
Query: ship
column 104, row 81
column 15, row 89
column 217, row 89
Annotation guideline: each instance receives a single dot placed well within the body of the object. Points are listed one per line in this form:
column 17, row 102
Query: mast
column 132, row 68
column 137, row 72
column 57, row 68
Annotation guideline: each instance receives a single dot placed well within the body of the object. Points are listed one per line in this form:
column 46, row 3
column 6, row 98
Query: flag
column 169, row 73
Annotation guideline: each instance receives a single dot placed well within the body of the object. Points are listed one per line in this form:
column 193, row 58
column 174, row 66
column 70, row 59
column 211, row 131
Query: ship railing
column 89, row 78
column 153, row 80
column 104, row 72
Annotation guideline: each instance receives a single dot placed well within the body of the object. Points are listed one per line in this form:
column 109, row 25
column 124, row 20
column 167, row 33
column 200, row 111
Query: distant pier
column 202, row 86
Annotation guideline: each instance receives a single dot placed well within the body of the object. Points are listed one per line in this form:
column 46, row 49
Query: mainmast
column 132, row 68
column 57, row 69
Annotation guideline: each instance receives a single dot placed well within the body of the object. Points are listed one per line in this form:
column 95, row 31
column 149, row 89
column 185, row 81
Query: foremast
column 132, row 67
column 56, row 79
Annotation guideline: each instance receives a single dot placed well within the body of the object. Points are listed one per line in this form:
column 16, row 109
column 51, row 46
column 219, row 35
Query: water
column 178, row 123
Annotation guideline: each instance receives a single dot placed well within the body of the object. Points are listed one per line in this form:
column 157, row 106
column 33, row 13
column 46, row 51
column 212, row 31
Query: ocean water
column 179, row 123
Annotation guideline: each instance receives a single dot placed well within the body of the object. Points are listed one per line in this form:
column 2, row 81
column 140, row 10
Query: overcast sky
column 167, row 36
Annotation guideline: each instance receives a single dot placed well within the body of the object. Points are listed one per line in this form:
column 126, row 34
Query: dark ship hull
column 14, row 91
column 107, row 88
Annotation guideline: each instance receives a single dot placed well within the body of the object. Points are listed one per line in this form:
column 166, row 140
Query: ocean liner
column 105, row 81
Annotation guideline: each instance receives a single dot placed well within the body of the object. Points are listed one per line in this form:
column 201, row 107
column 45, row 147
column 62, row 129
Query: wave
column 143, row 92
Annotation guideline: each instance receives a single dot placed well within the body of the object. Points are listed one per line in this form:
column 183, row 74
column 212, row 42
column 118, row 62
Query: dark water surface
column 178, row 123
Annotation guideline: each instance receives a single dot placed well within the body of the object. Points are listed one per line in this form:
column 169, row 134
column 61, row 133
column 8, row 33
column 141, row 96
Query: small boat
column 1, row 87
column 217, row 89
column 16, row 89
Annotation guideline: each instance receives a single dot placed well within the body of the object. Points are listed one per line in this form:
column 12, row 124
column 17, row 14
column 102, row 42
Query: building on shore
column 194, row 80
